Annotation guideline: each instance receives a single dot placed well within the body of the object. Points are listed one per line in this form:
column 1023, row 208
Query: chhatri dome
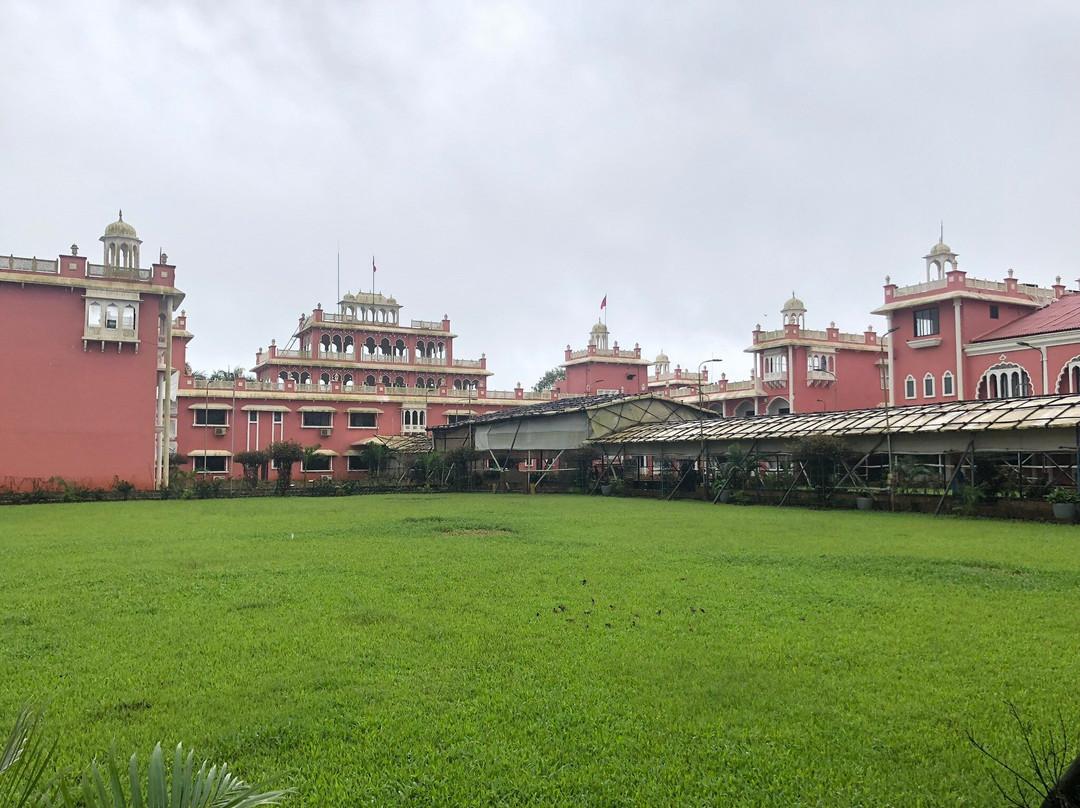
column 794, row 304
column 120, row 228
column 940, row 248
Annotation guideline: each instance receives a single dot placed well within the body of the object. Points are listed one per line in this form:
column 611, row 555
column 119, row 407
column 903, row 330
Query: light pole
column 886, row 380
column 1042, row 352
column 701, row 426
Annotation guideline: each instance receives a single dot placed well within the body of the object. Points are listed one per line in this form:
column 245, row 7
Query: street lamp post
column 886, row 380
column 1042, row 355
column 701, row 426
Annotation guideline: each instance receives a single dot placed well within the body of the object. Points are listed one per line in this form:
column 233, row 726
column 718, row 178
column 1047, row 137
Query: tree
column 375, row 455
column 547, row 381
column 231, row 374
column 284, row 453
column 253, row 462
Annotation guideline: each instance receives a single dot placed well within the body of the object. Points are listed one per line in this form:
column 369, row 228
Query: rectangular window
column 214, row 464
column 277, row 417
column 926, row 322
column 317, row 419
column 946, row 384
column 457, row 419
column 357, row 463
column 211, row 417
column 253, row 417
column 318, row 463
column 928, row 387
column 993, row 312
column 362, row 420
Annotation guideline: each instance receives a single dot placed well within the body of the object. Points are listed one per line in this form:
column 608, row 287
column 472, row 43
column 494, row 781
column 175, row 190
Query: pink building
column 796, row 369
column 959, row 338
column 600, row 370
column 86, row 387
column 357, row 375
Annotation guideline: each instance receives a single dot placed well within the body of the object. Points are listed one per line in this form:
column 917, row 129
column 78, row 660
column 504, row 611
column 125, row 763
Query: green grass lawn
column 482, row 650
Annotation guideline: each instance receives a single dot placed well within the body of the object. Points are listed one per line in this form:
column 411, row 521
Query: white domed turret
column 940, row 259
column 662, row 363
column 598, row 336
column 121, row 245
column 794, row 312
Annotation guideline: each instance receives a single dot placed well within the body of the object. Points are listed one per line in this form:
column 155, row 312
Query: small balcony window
column 927, row 322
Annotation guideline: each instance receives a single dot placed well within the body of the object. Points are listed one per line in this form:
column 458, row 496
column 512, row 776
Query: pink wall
column 83, row 415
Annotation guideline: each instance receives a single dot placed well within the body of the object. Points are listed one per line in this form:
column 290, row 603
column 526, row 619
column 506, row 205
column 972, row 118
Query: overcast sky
column 509, row 164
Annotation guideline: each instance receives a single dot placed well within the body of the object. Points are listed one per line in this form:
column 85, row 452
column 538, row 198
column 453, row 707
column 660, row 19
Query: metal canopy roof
column 1041, row 412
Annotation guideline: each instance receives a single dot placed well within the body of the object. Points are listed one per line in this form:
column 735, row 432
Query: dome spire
column 121, row 214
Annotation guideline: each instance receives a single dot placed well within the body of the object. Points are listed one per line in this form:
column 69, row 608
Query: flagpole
column 339, row 276
column 372, row 278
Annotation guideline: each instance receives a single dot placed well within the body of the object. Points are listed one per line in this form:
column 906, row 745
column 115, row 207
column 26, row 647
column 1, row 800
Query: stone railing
column 110, row 334
column 431, row 325
column 778, row 333
column 118, row 273
column 629, row 354
column 682, row 376
column 501, row 394
column 775, row 376
column 993, row 286
column 282, row 353
column 39, row 265
column 919, row 288
column 431, row 360
column 468, row 363
column 820, row 376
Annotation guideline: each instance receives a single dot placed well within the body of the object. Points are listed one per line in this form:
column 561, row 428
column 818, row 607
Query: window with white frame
column 211, row 464
column 317, row 420
column 204, row 417
column 928, row 386
column 909, row 387
column 947, row 384
column 318, row 462
column 413, row 421
column 278, row 417
column 253, row 417
column 363, row 420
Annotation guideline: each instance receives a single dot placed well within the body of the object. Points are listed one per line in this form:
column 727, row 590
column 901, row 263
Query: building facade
column 87, row 390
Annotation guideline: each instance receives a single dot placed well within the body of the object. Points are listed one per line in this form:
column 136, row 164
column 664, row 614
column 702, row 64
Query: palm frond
column 26, row 757
column 208, row 787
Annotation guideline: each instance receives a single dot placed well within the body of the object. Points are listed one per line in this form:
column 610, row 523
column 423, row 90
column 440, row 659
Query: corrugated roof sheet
column 561, row 405
column 954, row 416
column 1061, row 315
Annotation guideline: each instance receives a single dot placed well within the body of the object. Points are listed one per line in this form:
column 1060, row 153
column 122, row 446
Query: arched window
column 324, row 344
column 457, row 384
column 441, row 350
column 386, row 381
column 399, row 348
column 296, row 377
column 419, row 348
column 112, row 315
column 419, row 381
column 305, row 378
column 399, row 381
column 129, row 317
column 369, row 346
column 350, row 349
column 947, row 388
column 93, row 314
column 928, row 386
column 335, row 344
column 1004, row 380
column 909, row 387
column 384, row 347
column 325, row 379
column 370, row 381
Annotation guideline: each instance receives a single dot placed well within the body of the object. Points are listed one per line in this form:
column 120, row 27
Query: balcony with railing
column 429, row 325
column 38, row 265
column 119, row 273
column 468, row 363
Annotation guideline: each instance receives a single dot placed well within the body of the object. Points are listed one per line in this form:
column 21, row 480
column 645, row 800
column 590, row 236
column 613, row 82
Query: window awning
column 209, row 453
column 375, row 410
column 317, row 409
column 326, row 452
column 266, row 408
column 201, row 405
column 460, row 412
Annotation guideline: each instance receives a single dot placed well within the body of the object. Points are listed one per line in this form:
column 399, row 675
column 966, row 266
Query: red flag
column 373, row 268
column 603, row 303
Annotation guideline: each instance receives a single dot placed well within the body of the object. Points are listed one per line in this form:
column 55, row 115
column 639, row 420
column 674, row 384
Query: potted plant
column 1064, row 501
column 863, row 500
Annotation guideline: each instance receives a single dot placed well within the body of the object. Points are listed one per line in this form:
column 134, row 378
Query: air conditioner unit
column 221, row 432
column 325, row 432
